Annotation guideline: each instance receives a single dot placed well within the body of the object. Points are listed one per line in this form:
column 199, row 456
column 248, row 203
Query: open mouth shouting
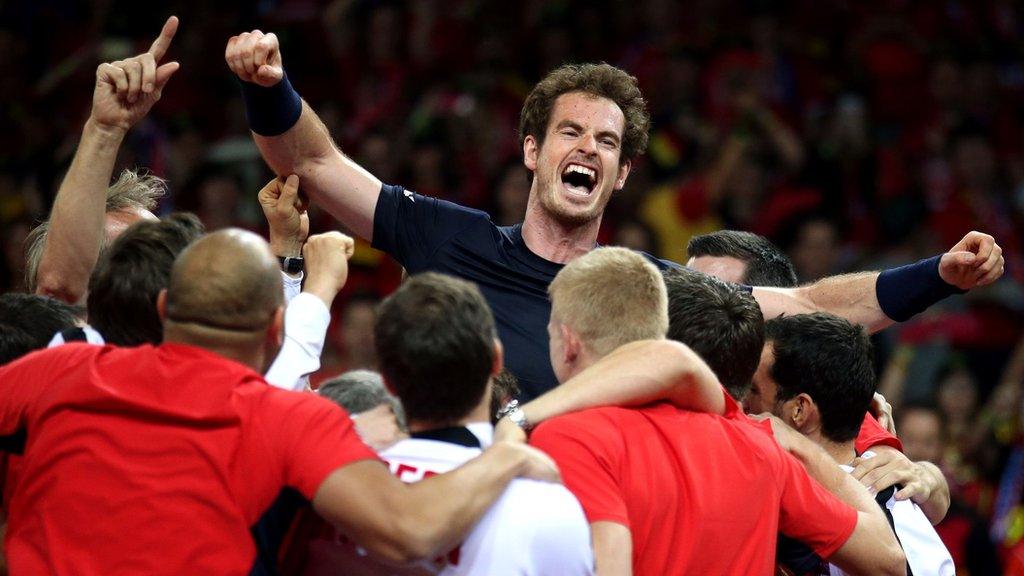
column 579, row 180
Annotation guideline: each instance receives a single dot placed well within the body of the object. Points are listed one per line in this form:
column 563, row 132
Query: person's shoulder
column 587, row 418
column 528, row 500
column 660, row 263
column 397, row 193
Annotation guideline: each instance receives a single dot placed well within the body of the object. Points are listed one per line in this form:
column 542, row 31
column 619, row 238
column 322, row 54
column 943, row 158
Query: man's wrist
column 107, row 133
column 908, row 290
column 285, row 248
column 271, row 111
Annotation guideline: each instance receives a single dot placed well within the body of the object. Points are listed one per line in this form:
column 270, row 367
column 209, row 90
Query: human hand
column 255, row 57
column 536, row 464
column 378, row 427
column 890, row 467
column 326, row 261
column 882, row 411
column 975, row 261
column 127, row 89
column 285, row 211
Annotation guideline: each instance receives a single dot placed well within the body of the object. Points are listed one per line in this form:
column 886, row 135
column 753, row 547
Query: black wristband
column 291, row 264
column 271, row 111
column 908, row 290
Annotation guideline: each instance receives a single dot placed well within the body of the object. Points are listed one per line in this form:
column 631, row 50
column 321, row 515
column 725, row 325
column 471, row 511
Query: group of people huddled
column 550, row 406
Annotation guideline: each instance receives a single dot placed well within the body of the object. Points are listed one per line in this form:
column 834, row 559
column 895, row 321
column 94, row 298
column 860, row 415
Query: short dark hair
column 504, row 388
column 720, row 322
column 29, row 321
column 435, row 341
column 130, row 275
column 766, row 264
column 601, row 80
column 830, row 360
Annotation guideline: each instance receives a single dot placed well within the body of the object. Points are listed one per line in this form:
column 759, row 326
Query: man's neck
column 554, row 241
column 479, row 414
column 841, row 452
column 242, row 350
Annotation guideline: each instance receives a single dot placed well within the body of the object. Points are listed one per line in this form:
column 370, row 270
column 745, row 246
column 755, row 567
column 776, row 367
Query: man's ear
column 531, row 149
column 620, row 179
column 275, row 332
column 803, row 412
column 161, row 305
column 499, row 358
column 572, row 346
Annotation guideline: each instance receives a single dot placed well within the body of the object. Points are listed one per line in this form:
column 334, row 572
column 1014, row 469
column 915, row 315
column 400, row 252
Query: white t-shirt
column 534, row 528
column 926, row 554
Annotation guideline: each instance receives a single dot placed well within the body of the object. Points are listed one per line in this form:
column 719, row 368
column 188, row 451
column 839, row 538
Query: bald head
column 227, row 280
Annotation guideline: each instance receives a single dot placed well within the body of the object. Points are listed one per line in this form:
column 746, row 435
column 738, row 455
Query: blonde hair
column 610, row 297
column 132, row 190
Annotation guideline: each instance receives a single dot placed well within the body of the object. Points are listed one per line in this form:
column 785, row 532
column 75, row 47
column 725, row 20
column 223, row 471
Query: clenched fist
column 255, row 57
column 975, row 261
column 326, row 261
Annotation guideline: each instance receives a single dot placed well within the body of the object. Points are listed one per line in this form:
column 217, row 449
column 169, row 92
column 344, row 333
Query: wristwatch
column 290, row 264
column 516, row 415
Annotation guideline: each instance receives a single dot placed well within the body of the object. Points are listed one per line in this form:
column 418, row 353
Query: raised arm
column 877, row 300
column 292, row 138
column 632, row 375
column 409, row 522
column 124, row 93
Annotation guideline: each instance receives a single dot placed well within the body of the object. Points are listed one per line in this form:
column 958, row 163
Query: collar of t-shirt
column 525, row 255
column 472, row 435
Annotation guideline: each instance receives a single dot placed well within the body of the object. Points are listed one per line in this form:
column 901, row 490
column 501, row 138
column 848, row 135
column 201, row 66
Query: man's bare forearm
column 632, row 375
column 851, row 296
column 77, row 219
column 332, row 180
column 405, row 523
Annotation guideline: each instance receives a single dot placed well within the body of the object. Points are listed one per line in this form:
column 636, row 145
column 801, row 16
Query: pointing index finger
column 163, row 41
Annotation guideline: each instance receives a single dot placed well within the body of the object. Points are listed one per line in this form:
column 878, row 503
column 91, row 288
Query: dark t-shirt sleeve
column 411, row 227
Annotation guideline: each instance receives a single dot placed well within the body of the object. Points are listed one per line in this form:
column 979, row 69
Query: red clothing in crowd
column 701, row 494
column 155, row 460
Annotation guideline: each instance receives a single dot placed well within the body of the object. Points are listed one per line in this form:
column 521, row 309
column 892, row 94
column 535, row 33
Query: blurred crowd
column 853, row 134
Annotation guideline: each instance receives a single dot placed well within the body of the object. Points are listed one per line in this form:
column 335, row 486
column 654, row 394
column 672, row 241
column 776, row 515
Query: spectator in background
column 351, row 338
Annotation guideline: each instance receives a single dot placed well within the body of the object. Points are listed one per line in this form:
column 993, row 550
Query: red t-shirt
column 155, row 460
column 872, row 434
column 701, row 494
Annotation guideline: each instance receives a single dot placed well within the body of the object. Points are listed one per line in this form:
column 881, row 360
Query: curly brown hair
column 603, row 80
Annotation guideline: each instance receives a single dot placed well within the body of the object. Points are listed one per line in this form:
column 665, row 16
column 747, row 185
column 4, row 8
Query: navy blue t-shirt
column 427, row 234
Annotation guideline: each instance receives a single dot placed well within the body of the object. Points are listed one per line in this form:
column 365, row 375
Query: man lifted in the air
column 580, row 128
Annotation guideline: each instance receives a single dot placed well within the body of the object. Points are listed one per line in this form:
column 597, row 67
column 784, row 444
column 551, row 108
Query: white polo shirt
column 925, row 552
column 534, row 528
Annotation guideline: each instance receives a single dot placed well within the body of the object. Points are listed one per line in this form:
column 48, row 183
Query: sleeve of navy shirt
column 411, row 227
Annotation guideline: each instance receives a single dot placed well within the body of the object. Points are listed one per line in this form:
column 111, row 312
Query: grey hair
column 360, row 390
column 132, row 190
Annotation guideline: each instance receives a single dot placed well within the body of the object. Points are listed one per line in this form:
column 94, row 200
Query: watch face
column 291, row 265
